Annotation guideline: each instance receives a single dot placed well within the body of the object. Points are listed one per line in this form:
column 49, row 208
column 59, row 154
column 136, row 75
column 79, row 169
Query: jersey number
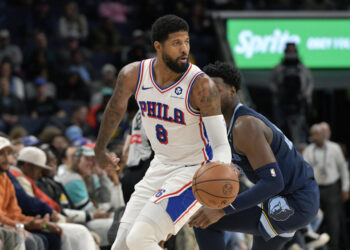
column 162, row 134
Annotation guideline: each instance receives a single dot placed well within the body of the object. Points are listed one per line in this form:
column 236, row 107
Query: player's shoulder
column 130, row 69
column 247, row 126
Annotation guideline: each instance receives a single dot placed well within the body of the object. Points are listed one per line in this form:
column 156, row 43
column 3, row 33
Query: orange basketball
column 215, row 184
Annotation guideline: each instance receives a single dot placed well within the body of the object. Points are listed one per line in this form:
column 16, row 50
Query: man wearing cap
column 43, row 105
column 10, row 212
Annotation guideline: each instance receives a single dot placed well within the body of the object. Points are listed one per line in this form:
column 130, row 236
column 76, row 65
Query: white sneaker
column 320, row 241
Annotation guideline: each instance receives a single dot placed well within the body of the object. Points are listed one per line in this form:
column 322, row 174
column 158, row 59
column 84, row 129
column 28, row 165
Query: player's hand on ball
column 205, row 216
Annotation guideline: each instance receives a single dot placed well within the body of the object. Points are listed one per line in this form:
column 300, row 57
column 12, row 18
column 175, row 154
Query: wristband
column 44, row 226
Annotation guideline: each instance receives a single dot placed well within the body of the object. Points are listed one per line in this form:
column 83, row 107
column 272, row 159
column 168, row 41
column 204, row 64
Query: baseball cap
column 108, row 68
column 34, row 156
column 39, row 81
column 107, row 91
column 4, row 143
column 84, row 151
column 30, row 140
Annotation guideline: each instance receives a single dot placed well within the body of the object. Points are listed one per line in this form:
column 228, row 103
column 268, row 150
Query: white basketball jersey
column 176, row 132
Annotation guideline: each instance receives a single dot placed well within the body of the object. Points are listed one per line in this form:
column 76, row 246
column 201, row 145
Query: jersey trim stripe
column 139, row 79
column 173, row 85
column 206, row 157
column 174, row 193
column 187, row 102
column 188, row 209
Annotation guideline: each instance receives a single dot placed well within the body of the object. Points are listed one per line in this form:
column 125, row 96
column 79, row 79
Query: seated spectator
column 117, row 12
column 74, row 181
column 72, row 23
column 16, row 83
column 43, row 105
column 106, row 38
column 11, row 107
column 8, row 50
column 79, row 119
column 11, row 213
column 41, row 19
column 80, row 66
column 39, row 57
column 74, row 89
column 65, row 159
column 58, row 144
column 109, row 79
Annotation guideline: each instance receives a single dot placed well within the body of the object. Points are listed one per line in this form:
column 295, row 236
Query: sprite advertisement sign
column 260, row 43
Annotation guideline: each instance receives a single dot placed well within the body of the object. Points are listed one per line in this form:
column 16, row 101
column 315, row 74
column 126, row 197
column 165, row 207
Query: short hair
column 229, row 73
column 166, row 25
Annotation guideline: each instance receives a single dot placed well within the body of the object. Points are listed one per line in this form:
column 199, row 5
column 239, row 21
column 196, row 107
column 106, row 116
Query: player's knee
column 141, row 236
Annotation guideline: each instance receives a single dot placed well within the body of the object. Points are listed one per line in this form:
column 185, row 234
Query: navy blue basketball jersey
column 296, row 172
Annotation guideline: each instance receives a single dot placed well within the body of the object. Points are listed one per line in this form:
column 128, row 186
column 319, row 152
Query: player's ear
column 157, row 45
column 232, row 91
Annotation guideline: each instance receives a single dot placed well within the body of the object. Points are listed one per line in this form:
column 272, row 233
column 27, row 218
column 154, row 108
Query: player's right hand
column 108, row 161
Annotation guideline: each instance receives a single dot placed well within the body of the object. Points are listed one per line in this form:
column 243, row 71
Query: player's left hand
column 205, row 216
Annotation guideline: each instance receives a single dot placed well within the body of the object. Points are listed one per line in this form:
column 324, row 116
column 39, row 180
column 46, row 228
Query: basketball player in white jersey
column 181, row 114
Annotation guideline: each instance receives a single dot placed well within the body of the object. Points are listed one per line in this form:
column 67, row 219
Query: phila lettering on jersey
column 175, row 130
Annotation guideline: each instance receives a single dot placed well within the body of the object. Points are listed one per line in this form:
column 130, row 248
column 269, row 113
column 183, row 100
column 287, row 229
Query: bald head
column 326, row 130
column 317, row 135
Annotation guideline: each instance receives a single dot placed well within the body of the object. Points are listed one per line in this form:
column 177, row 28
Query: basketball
column 215, row 184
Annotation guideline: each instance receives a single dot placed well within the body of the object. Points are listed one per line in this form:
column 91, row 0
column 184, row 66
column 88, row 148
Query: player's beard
column 175, row 65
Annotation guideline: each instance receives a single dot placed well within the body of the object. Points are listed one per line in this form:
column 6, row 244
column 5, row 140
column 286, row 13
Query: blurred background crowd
column 58, row 64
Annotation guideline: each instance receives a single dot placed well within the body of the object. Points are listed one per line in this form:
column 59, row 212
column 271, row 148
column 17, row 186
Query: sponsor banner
column 260, row 43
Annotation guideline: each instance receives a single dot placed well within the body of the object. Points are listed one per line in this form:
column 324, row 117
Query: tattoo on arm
column 210, row 101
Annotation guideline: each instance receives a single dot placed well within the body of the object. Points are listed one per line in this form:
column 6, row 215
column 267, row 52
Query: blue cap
column 30, row 140
column 74, row 133
column 39, row 81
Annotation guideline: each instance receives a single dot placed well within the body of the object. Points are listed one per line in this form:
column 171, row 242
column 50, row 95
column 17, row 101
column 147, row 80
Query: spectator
column 66, row 160
column 72, row 23
column 31, row 160
column 40, row 57
column 332, row 175
column 79, row 118
column 58, row 144
column 79, row 65
column 43, row 105
column 16, row 83
column 106, row 37
column 11, row 213
column 41, row 19
column 74, row 89
column 74, row 181
column 10, row 106
column 7, row 50
column 292, row 86
column 108, row 80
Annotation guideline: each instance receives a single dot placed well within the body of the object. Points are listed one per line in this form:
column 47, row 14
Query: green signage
column 260, row 43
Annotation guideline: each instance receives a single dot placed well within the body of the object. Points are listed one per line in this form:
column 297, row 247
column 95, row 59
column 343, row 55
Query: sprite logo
column 251, row 44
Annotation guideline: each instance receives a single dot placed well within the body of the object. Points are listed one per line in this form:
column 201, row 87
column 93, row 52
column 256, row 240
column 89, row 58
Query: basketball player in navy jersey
column 285, row 196
column 181, row 113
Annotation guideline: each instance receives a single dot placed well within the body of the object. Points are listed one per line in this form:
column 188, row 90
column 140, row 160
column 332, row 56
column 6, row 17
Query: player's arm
column 205, row 98
column 116, row 107
column 251, row 140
